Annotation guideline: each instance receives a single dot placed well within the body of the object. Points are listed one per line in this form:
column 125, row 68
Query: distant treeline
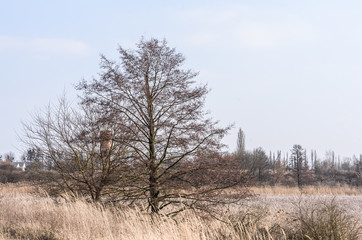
column 297, row 167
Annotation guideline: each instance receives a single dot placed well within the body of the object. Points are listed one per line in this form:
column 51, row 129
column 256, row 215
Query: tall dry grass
column 28, row 213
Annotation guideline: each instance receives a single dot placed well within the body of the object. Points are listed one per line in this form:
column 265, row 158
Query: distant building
column 21, row 165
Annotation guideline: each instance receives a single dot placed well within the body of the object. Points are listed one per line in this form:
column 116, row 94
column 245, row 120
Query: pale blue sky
column 286, row 72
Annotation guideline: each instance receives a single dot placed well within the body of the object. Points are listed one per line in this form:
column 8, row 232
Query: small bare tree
column 160, row 107
column 80, row 147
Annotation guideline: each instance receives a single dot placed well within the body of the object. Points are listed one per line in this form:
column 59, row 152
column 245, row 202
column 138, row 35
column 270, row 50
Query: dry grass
column 309, row 190
column 24, row 214
column 27, row 213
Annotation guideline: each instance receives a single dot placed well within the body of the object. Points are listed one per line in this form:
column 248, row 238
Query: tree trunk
column 153, row 187
column 153, row 198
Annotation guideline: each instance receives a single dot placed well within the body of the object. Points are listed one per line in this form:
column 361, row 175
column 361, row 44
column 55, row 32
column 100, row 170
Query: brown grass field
column 28, row 213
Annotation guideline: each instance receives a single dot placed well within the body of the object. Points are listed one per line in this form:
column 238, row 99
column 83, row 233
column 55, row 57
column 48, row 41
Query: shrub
column 325, row 220
column 250, row 224
column 9, row 173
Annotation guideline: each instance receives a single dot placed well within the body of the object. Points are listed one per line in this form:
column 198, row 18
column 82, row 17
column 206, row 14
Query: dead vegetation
column 28, row 213
column 309, row 190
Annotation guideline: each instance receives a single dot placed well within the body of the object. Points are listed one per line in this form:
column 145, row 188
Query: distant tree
column 10, row 156
column 34, row 157
column 358, row 170
column 260, row 162
column 244, row 158
column 297, row 162
column 318, row 170
column 346, row 164
column 240, row 147
column 279, row 169
column 305, row 163
column 329, row 162
column 255, row 163
column 329, row 167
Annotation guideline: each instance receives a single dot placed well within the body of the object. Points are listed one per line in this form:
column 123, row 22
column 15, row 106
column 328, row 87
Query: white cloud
column 43, row 46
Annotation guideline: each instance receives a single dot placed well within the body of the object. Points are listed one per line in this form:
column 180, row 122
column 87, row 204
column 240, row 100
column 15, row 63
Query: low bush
column 9, row 173
column 325, row 220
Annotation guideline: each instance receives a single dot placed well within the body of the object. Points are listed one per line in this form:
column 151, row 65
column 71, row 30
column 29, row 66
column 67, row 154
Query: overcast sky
column 285, row 72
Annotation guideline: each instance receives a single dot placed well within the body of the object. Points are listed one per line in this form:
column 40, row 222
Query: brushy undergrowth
column 28, row 214
column 326, row 220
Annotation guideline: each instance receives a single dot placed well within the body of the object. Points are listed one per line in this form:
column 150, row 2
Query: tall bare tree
column 298, row 163
column 240, row 147
column 160, row 106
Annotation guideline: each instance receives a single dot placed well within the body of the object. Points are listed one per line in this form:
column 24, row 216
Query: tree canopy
column 161, row 108
column 141, row 133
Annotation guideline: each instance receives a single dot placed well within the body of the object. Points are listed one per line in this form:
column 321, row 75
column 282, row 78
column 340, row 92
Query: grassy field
column 275, row 213
column 308, row 190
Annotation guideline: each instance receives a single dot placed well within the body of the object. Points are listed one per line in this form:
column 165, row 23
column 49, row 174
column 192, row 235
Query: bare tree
column 9, row 157
column 80, row 148
column 34, row 158
column 254, row 163
column 279, row 169
column 240, row 147
column 160, row 107
column 358, row 169
column 298, row 159
column 260, row 160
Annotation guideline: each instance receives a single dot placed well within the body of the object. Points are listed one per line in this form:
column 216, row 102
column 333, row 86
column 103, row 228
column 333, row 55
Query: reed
column 26, row 212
